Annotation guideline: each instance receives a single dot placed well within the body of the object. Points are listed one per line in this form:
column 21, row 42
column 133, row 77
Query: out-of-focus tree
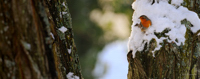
column 36, row 40
column 87, row 34
column 95, row 24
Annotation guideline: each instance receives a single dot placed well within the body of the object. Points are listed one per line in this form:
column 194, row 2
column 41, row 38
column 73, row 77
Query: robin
column 145, row 23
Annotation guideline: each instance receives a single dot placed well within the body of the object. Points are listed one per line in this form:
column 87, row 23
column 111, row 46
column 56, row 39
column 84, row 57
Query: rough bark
column 31, row 46
column 171, row 61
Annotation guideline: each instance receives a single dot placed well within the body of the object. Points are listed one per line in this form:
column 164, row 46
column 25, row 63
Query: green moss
column 162, row 34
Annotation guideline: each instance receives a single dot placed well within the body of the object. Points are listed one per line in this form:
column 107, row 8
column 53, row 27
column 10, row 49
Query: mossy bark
column 31, row 46
column 171, row 61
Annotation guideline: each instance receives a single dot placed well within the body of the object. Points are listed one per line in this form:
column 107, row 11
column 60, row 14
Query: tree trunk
column 31, row 44
column 171, row 61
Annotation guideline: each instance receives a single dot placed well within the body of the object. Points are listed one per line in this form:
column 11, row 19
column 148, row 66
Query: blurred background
column 101, row 30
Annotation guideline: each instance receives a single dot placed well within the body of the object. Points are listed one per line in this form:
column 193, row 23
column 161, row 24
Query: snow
column 163, row 16
column 112, row 62
column 26, row 45
column 63, row 13
column 198, row 34
column 71, row 76
column 64, row 4
column 52, row 35
column 69, row 51
column 63, row 29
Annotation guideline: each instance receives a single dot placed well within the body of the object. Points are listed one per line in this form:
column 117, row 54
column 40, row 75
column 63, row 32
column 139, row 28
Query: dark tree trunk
column 31, row 44
column 171, row 61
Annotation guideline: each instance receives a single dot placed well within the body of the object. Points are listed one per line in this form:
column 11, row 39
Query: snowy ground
column 112, row 62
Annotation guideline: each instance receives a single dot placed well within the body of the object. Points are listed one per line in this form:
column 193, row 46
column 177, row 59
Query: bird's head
column 143, row 17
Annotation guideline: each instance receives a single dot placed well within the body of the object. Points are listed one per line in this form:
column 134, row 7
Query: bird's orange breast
column 146, row 23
